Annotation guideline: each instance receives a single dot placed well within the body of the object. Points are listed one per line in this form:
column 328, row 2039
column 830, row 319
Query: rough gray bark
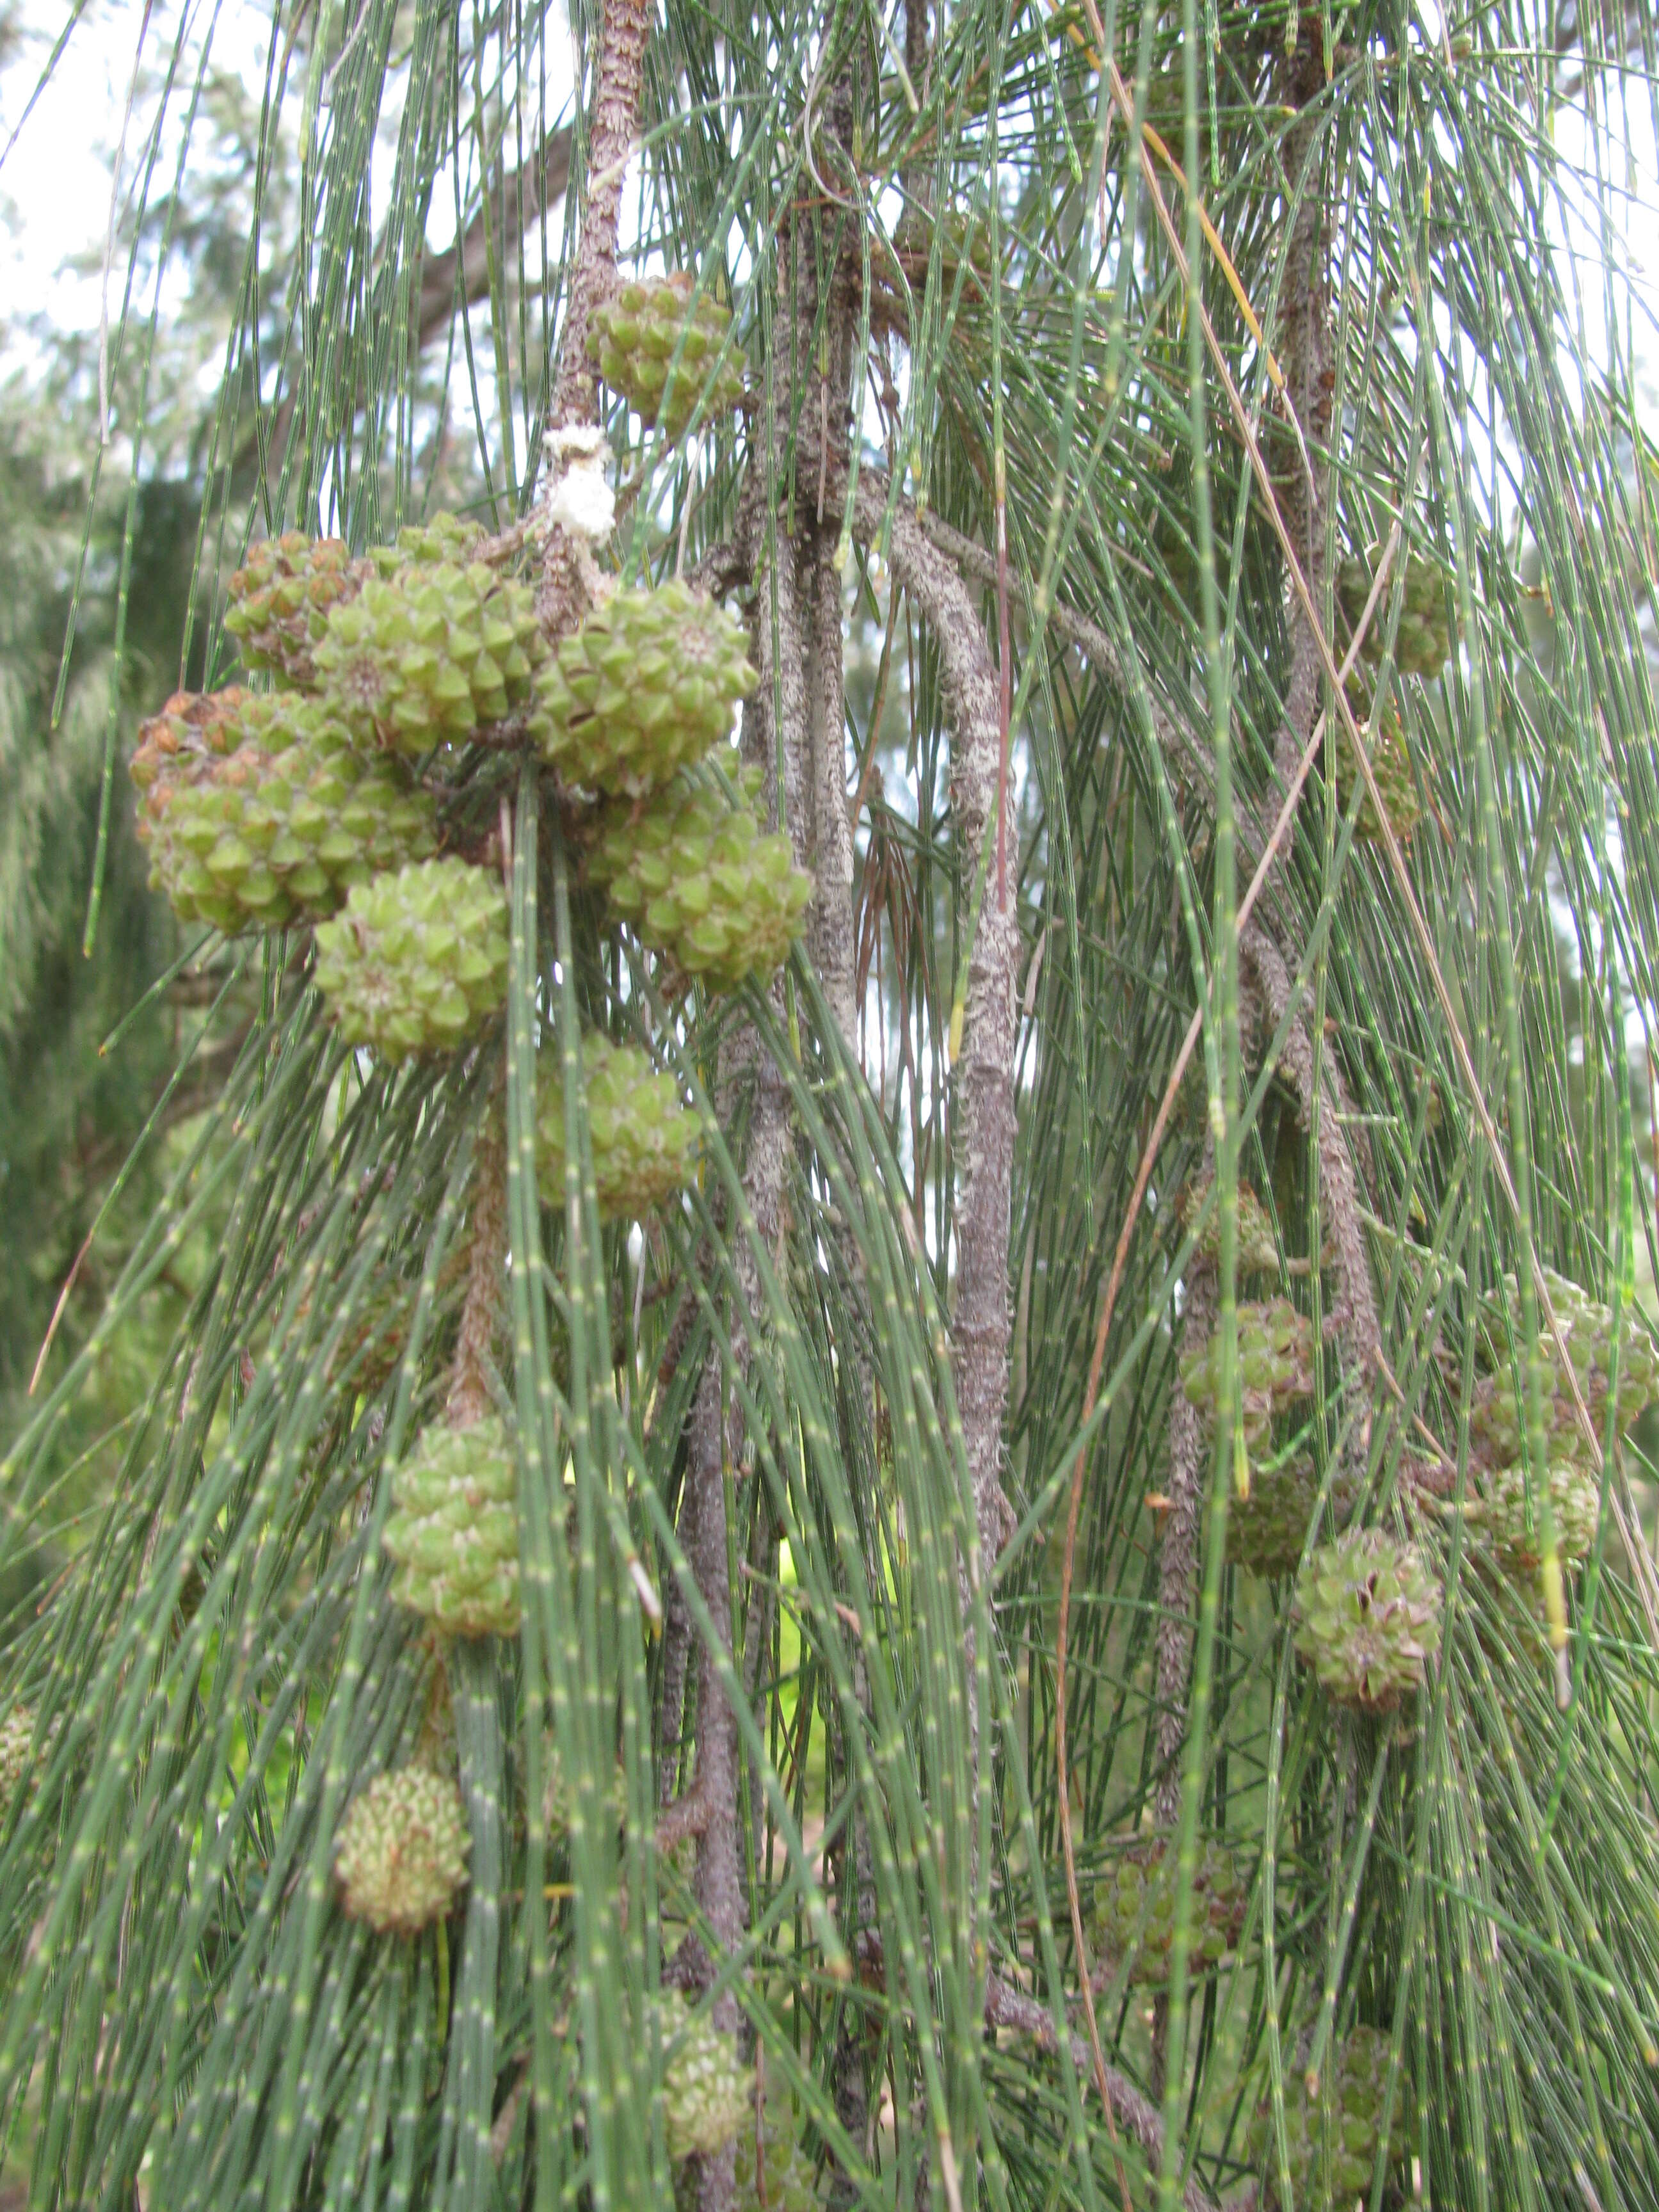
column 984, row 1072
column 1267, row 977
column 1177, row 1582
column 613, row 127
column 718, row 1879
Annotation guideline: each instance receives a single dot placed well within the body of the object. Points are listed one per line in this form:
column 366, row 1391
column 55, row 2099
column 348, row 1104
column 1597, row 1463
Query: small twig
column 501, row 2133
column 1008, row 2007
column 469, row 1394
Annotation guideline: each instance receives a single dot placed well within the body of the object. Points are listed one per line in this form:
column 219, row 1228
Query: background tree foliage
column 839, row 1485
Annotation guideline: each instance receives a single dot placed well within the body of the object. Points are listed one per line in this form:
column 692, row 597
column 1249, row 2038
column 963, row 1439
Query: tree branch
column 459, row 276
column 984, row 1070
column 613, row 129
column 1008, row 2007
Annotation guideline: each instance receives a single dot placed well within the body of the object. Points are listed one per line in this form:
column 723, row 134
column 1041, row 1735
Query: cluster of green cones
column 321, row 801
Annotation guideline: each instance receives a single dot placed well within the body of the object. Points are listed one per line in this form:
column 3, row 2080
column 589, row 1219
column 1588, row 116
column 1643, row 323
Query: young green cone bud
column 1258, row 1246
column 401, row 1854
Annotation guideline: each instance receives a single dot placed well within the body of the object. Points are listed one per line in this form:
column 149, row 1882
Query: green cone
column 1258, row 1248
column 453, row 1530
column 280, row 600
column 258, row 811
column 1332, row 2138
column 791, row 2182
column 644, row 1140
column 634, row 338
column 1423, row 643
column 706, row 2093
column 442, row 538
column 401, row 1853
column 433, row 651
column 1368, row 1619
column 16, row 1739
column 1275, row 1365
column 1498, row 1420
column 646, row 685
column 1575, row 1505
column 1391, row 764
column 702, row 885
column 1135, row 1910
column 417, row 961
column 1267, row 1531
